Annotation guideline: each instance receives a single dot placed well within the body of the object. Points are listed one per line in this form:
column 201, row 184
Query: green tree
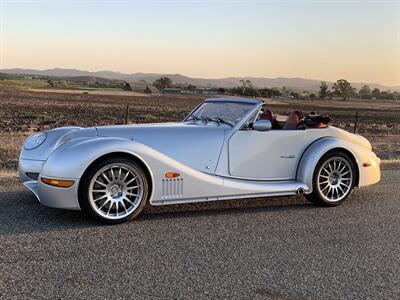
column 50, row 83
column 126, row 86
column 245, row 83
column 276, row 92
column 388, row 95
column 162, row 83
column 323, row 90
column 365, row 92
column 295, row 95
column 284, row 91
column 343, row 88
column 247, row 88
column 267, row 92
column 376, row 93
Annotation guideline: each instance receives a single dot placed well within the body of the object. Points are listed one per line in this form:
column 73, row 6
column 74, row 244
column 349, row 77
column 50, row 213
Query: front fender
column 71, row 161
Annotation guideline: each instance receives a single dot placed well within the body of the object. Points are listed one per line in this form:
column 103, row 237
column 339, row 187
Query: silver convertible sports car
column 226, row 148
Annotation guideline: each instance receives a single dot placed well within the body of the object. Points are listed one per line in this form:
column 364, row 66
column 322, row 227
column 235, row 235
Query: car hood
column 196, row 145
column 55, row 138
column 128, row 131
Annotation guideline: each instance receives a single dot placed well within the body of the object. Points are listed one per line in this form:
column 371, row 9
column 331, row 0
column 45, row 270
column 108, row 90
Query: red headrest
column 267, row 115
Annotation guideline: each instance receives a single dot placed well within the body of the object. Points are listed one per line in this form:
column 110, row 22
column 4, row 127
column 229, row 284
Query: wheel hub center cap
column 334, row 179
column 116, row 191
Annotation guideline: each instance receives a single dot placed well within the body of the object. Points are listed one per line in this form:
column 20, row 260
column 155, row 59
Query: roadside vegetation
column 340, row 89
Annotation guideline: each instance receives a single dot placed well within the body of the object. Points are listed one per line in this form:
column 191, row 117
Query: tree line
column 341, row 88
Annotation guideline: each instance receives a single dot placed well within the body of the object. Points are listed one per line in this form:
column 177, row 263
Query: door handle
column 288, row 156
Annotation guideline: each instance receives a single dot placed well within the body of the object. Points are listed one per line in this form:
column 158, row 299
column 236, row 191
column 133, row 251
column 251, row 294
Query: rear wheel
column 333, row 179
column 114, row 190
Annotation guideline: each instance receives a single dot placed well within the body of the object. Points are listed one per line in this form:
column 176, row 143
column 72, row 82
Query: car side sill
column 225, row 197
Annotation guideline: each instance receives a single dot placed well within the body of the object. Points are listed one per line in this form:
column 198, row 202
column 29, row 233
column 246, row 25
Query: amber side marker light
column 172, row 174
column 369, row 164
column 58, row 183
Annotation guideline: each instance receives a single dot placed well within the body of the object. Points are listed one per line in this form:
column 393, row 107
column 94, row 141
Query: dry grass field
column 24, row 111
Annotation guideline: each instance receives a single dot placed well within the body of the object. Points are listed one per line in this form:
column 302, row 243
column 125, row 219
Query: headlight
column 35, row 140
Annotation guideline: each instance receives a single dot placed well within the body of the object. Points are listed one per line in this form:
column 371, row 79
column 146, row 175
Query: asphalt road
column 281, row 248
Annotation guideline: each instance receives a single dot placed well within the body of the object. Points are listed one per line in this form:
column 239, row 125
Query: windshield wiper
column 204, row 119
column 195, row 118
column 221, row 121
column 207, row 119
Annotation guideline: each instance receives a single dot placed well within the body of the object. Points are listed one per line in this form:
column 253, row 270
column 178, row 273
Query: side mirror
column 262, row 125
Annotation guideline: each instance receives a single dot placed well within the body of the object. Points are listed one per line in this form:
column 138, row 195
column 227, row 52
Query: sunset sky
column 327, row 40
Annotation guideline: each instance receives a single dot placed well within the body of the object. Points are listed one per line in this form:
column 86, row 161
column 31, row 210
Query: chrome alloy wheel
column 116, row 191
column 335, row 179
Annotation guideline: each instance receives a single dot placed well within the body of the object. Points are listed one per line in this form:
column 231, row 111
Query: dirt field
column 25, row 111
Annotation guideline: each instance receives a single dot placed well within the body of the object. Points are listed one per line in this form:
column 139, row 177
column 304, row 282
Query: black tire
column 84, row 189
column 317, row 196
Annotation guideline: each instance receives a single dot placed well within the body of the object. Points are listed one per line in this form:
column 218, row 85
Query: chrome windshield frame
column 257, row 103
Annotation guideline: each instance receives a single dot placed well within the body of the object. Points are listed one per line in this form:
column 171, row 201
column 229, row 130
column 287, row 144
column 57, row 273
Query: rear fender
column 315, row 151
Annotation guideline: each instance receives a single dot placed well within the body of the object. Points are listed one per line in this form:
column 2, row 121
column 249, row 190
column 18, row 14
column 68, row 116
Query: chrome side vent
column 172, row 188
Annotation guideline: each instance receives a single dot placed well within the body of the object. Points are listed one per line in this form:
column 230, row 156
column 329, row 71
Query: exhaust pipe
column 300, row 191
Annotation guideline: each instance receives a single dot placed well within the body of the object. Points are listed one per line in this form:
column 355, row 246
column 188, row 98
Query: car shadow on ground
column 22, row 213
column 227, row 207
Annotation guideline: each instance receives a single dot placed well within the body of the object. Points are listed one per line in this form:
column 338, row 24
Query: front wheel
column 333, row 179
column 114, row 190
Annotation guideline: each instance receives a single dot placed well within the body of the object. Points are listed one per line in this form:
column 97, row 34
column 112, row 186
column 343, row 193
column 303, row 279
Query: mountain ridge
column 296, row 83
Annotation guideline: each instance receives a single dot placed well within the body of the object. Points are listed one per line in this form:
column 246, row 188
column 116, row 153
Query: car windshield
column 221, row 112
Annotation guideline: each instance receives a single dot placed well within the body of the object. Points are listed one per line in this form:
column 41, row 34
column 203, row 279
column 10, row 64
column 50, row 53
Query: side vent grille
column 172, row 188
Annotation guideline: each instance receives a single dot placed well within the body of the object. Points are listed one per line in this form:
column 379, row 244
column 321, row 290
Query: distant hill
column 294, row 83
column 9, row 76
column 91, row 79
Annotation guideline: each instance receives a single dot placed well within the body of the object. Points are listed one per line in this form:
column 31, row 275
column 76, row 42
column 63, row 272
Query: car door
column 265, row 155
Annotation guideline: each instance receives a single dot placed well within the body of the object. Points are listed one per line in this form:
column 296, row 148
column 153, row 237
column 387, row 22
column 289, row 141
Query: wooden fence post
column 355, row 123
column 126, row 114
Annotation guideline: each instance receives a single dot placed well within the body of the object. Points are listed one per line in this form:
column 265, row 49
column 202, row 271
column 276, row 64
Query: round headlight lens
column 35, row 140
